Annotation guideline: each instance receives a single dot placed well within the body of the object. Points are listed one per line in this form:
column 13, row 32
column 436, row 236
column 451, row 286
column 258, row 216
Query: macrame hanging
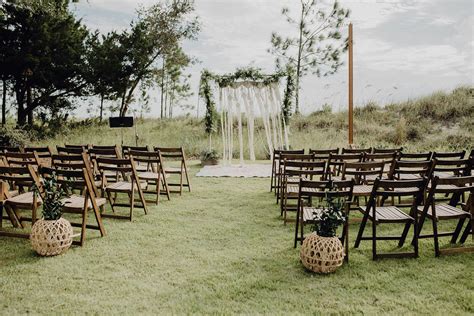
column 250, row 100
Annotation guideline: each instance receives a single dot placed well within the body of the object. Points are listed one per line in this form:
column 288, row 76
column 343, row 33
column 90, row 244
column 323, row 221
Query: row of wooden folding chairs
column 363, row 172
column 45, row 153
column 16, row 179
column 419, row 211
column 350, row 154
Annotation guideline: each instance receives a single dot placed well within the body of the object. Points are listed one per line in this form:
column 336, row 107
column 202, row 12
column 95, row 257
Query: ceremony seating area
column 102, row 179
column 387, row 186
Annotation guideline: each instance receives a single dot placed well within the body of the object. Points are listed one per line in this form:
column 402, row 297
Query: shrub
column 13, row 137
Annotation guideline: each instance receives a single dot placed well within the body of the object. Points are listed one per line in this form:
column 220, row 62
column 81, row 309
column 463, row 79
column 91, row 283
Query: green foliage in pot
column 331, row 217
column 209, row 154
column 53, row 195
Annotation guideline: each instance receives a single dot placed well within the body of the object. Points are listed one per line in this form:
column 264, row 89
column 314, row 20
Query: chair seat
column 443, row 174
column 311, row 214
column 13, row 193
column 295, row 189
column 409, row 176
column 23, row 200
column 393, row 214
column 142, row 168
column 362, row 190
column 123, row 186
column 76, row 203
column 149, row 175
column 445, row 211
column 172, row 170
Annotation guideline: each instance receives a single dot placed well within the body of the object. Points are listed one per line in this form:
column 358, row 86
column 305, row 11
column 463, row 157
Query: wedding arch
column 247, row 94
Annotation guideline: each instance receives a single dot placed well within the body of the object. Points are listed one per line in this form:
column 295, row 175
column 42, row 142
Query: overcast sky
column 403, row 49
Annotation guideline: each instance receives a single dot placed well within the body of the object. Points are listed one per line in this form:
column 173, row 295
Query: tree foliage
column 318, row 44
column 43, row 55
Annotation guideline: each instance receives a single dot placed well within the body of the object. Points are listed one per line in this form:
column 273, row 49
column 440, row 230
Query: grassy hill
column 441, row 121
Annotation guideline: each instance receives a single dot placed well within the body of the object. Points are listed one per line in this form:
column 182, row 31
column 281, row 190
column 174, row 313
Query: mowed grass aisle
column 222, row 249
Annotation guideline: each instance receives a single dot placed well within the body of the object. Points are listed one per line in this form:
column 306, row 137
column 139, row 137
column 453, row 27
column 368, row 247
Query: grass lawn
column 223, row 249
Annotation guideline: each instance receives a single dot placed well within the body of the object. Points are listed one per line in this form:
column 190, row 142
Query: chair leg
column 458, row 229
column 109, row 197
column 297, row 223
column 469, row 229
column 435, row 236
column 187, row 178
column 302, row 230
column 83, row 227
column 374, row 240
column 361, row 231
column 404, row 234
column 132, row 202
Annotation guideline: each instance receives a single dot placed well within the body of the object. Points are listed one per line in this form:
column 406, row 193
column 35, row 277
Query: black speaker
column 122, row 121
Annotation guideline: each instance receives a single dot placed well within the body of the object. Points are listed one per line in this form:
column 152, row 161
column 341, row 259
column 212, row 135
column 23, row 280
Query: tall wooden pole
column 351, row 90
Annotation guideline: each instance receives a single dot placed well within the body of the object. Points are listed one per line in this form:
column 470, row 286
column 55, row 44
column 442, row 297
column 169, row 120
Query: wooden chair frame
column 456, row 187
column 276, row 165
column 289, row 157
column 337, row 161
column 78, row 204
column 129, row 184
column 297, row 170
column 175, row 153
column 390, row 188
column 156, row 176
column 18, row 177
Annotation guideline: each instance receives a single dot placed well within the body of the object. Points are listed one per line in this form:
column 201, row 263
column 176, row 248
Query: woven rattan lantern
column 51, row 237
column 321, row 254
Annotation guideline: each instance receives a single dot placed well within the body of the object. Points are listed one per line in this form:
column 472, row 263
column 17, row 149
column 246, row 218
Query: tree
column 318, row 45
column 158, row 29
column 43, row 55
column 174, row 83
column 104, row 58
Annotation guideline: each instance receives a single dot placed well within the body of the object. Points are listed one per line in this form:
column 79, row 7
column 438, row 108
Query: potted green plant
column 52, row 234
column 209, row 157
column 322, row 251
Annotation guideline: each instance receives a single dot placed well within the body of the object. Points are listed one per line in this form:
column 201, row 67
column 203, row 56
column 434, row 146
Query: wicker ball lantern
column 51, row 237
column 321, row 254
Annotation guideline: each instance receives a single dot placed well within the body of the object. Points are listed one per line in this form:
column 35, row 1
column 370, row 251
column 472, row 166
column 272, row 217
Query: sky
column 403, row 49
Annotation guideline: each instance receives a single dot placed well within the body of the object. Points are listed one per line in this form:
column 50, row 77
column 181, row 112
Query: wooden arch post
column 351, row 90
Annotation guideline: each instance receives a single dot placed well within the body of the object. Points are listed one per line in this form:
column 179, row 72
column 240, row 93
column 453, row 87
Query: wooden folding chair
column 392, row 214
column 155, row 176
column 19, row 159
column 397, row 151
column 78, row 146
column 356, row 150
column 182, row 170
column 387, row 158
column 15, row 198
column 446, row 168
column 289, row 157
column 127, row 182
column 43, row 153
column 411, row 170
column 276, row 165
column 70, row 150
column 448, row 155
column 323, row 154
column 364, row 174
column 78, row 204
column 310, row 214
column 435, row 211
column 139, row 166
column 336, row 163
column 293, row 171
column 403, row 156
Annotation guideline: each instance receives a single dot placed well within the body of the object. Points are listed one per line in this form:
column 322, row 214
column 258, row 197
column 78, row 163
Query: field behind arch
column 441, row 121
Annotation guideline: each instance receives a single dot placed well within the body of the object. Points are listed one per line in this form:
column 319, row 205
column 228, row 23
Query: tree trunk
column 162, row 86
column 21, row 115
column 298, row 63
column 166, row 98
column 28, row 105
column 101, row 107
column 4, row 103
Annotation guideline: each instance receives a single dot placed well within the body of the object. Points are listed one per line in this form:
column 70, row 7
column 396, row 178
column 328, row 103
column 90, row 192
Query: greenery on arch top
column 243, row 74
